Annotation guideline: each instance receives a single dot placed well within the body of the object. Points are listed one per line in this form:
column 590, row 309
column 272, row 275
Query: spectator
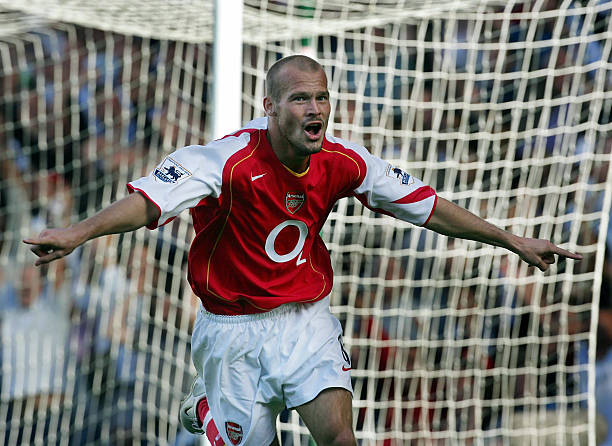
column 35, row 350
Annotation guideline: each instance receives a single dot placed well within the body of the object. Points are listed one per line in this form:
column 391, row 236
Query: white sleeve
column 390, row 190
column 187, row 176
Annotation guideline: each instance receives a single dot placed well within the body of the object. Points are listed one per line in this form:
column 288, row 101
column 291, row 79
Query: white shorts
column 254, row 366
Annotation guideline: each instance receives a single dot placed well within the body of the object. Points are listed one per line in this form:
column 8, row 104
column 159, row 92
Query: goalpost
column 502, row 107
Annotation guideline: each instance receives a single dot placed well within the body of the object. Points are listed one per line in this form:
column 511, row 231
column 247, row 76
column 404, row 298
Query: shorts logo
column 234, row 432
column 294, row 201
column 345, row 355
column 399, row 174
column 169, row 171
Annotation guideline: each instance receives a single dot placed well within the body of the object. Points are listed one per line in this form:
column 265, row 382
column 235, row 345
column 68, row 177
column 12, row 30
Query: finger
column 568, row 254
column 33, row 241
column 46, row 250
column 49, row 258
column 40, row 250
column 539, row 264
column 41, row 243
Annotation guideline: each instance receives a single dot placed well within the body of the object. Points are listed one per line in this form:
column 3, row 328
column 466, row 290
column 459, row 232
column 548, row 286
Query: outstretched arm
column 127, row 214
column 452, row 220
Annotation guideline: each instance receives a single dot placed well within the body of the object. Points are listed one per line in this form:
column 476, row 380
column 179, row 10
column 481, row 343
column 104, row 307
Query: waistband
column 276, row 312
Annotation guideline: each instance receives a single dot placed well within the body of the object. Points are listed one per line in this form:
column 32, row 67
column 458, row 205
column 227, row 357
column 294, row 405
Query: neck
column 286, row 153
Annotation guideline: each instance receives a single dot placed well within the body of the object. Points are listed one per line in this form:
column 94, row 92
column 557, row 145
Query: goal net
column 502, row 107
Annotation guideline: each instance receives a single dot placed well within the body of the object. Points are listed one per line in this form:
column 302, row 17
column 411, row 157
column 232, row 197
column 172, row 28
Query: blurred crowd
column 95, row 347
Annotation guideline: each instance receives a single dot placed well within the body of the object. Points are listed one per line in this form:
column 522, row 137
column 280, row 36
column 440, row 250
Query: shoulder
column 343, row 147
column 345, row 159
column 347, row 152
column 222, row 149
column 203, row 160
column 248, row 136
column 256, row 124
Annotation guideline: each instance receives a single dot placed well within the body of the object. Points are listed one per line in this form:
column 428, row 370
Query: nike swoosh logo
column 256, row 177
column 345, row 369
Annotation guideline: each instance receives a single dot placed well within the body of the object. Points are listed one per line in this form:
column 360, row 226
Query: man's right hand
column 127, row 214
column 53, row 244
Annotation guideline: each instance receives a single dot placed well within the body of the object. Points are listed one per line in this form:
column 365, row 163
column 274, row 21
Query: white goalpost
column 227, row 68
column 502, row 107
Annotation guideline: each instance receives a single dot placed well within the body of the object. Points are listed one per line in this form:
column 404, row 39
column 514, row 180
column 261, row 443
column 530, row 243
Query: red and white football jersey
column 257, row 223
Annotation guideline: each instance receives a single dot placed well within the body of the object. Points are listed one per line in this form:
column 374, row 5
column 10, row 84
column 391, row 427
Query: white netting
column 503, row 107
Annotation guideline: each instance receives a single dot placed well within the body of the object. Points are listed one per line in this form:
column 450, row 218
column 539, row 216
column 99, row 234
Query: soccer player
column 264, row 338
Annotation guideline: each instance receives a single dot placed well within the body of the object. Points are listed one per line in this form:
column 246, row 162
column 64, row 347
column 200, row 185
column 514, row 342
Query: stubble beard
column 302, row 146
column 313, row 147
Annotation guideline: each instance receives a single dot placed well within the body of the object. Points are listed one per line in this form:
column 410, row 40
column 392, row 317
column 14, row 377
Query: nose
column 314, row 107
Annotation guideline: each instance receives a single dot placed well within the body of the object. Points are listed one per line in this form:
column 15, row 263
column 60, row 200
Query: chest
column 268, row 191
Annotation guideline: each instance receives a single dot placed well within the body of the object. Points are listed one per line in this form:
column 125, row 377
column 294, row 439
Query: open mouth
column 313, row 130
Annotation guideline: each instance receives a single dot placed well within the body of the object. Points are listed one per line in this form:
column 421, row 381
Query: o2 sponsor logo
column 296, row 251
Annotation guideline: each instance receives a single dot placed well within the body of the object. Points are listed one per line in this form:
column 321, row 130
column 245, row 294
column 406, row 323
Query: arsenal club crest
column 294, row 201
column 234, row 432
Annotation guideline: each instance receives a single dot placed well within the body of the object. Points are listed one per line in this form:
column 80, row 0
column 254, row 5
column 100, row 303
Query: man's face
column 302, row 110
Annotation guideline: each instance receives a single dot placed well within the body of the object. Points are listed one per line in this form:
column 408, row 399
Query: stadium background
column 503, row 107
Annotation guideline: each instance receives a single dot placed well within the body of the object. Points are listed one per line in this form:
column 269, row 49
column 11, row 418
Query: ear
column 269, row 106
